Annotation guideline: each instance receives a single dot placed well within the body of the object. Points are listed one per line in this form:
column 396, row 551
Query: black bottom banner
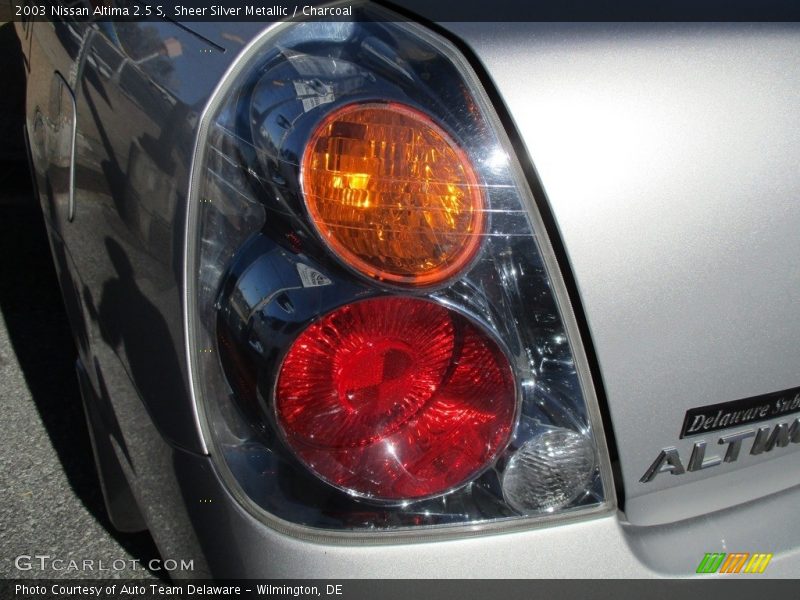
column 399, row 589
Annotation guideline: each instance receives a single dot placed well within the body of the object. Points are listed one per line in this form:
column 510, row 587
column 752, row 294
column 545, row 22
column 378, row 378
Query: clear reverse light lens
column 549, row 471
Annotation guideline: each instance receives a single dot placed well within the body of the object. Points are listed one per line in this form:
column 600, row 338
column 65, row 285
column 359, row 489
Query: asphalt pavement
column 50, row 498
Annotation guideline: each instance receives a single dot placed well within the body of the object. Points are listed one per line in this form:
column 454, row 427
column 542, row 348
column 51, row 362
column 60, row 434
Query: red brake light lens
column 395, row 398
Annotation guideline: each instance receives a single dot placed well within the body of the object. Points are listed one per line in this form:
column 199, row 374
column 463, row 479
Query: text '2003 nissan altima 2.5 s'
column 332, row 322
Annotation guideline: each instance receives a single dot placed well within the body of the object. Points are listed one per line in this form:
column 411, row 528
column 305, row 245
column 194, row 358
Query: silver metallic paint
column 669, row 154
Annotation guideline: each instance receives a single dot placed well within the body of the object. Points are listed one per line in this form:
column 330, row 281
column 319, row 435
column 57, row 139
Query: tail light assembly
column 379, row 337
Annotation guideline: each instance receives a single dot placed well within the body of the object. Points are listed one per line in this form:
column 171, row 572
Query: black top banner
column 426, row 10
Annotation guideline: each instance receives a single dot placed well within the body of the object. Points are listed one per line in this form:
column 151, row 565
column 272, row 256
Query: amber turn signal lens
column 392, row 194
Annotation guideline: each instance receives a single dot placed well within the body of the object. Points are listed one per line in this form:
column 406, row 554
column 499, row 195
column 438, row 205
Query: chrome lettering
column 698, row 460
column 734, row 441
column 765, row 439
column 667, row 461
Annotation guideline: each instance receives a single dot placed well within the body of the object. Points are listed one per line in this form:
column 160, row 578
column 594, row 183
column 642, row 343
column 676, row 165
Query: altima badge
column 765, row 439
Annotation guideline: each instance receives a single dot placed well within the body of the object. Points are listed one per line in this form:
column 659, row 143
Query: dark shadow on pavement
column 31, row 304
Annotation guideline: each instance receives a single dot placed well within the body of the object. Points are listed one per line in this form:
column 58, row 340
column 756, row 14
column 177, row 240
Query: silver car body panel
column 669, row 156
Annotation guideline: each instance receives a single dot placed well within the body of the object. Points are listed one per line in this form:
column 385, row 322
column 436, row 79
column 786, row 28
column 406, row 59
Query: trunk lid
column 670, row 156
